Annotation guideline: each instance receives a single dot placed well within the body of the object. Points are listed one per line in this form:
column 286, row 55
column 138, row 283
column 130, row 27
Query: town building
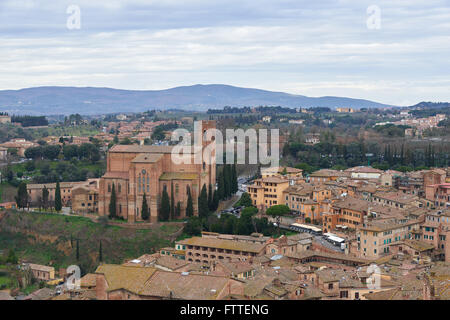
column 364, row 172
column 435, row 230
column 324, row 175
column 345, row 110
column 40, row 272
column 312, row 138
column 19, row 144
column 115, row 282
column 4, row 118
column 266, row 192
column 209, row 249
column 375, row 238
column 438, row 194
column 66, row 188
column 396, row 199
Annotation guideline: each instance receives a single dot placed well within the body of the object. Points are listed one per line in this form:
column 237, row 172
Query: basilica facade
column 135, row 170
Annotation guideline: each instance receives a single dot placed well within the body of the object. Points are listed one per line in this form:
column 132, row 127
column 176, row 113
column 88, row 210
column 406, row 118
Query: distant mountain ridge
column 90, row 100
column 431, row 105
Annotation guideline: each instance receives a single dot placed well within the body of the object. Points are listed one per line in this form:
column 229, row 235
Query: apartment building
column 309, row 201
column 324, row 175
column 266, row 192
column 438, row 194
column 364, row 173
column 349, row 212
column 209, row 249
column 396, row 199
column 374, row 238
column 436, row 230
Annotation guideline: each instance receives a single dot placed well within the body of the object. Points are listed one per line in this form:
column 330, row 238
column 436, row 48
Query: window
column 330, row 286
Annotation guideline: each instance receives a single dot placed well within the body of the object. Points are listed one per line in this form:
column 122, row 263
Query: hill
column 88, row 101
column 50, row 239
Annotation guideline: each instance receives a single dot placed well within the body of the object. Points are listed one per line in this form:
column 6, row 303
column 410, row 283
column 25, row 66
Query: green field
column 51, row 239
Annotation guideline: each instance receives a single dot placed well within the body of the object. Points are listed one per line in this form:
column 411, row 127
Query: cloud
column 301, row 47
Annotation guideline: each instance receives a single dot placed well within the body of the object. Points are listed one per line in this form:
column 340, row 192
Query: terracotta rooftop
column 147, row 158
column 224, row 244
column 141, row 149
column 184, row 286
column 116, row 174
column 364, row 169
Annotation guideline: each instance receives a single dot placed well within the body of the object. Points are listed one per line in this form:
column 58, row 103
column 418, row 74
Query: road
column 286, row 221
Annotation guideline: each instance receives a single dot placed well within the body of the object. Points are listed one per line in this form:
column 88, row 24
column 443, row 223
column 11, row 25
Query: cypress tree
column 178, row 210
column 221, row 186
column 227, row 181
column 22, row 196
column 45, row 194
column 100, row 252
column 235, row 185
column 216, row 201
column 58, row 202
column 165, row 206
column 210, row 197
column 172, row 203
column 203, row 210
column 112, row 203
column 189, row 205
column 145, row 211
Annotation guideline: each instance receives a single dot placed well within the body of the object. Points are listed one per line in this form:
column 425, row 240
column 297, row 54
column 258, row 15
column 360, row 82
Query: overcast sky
column 314, row 48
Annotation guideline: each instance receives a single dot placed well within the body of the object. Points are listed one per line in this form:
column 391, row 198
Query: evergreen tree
column 227, row 181
column 58, row 201
column 234, row 180
column 12, row 258
column 402, row 155
column 112, row 203
column 172, row 203
column 210, row 198
column 100, row 252
column 178, row 210
column 45, row 194
column 164, row 212
column 22, row 196
column 203, row 210
column 221, row 186
column 189, row 205
column 216, row 201
column 246, row 200
column 145, row 211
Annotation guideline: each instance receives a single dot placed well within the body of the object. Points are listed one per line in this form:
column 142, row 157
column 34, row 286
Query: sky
column 395, row 51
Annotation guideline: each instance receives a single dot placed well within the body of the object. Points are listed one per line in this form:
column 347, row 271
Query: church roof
column 141, row 149
column 147, row 158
